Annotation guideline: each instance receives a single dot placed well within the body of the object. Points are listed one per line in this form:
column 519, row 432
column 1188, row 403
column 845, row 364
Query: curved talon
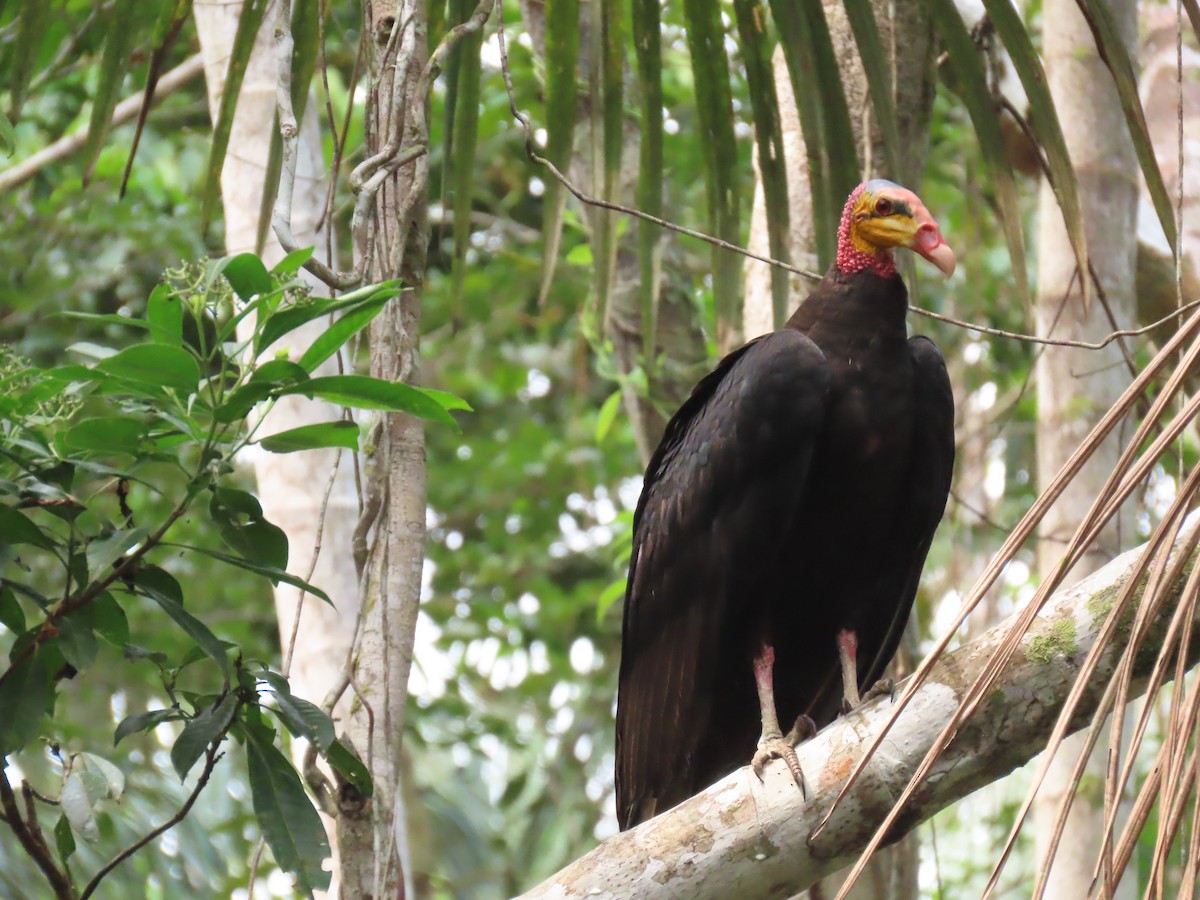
column 770, row 748
column 884, row 687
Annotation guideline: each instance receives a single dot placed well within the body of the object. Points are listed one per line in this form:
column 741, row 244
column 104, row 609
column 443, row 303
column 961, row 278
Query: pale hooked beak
column 928, row 242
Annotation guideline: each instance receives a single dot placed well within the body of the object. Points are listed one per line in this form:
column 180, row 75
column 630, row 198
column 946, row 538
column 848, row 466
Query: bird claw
column 780, row 747
column 884, row 687
column 804, row 729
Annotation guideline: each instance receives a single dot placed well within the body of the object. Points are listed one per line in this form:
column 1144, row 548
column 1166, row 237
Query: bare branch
column 183, row 74
column 753, row 839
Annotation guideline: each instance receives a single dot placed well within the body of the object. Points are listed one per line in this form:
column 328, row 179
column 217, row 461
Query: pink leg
column 772, row 744
column 847, row 642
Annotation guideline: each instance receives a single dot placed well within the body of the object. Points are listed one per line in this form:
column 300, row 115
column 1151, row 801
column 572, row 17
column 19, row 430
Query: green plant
column 99, row 462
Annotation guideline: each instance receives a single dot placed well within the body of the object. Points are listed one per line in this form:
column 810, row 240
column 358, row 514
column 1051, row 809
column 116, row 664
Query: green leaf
column 290, row 824
column 64, row 840
column 246, row 274
column 27, row 45
column 107, row 618
column 817, row 85
column 8, row 136
column 608, row 597
column 714, row 112
column 562, row 54
column 164, row 313
column 119, row 33
column 448, row 400
column 244, row 528
column 1112, row 51
column 312, row 437
column 194, row 628
column 26, row 694
column 156, row 365
column 287, row 320
column 608, row 412
column 305, row 720
column 153, row 578
column 239, row 403
column 967, row 67
column 106, row 551
column 342, row 329
column 647, row 45
column 292, row 263
column 1043, row 117
column 351, row 768
column 462, row 151
column 107, row 781
column 768, row 133
column 208, row 726
column 107, row 434
column 276, row 575
column 364, row 392
column 77, row 642
column 144, row 721
column 12, row 616
column 278, row 371
column 17, row 529
column 239, row 56
column 612, row 85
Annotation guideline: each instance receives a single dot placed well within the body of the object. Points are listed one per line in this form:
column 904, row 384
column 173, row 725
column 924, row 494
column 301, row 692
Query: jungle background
column 507, row 754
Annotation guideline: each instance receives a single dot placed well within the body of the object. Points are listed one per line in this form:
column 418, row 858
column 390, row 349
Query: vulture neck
column 854, row 306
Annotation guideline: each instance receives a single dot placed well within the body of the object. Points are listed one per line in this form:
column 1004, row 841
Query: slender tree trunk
column 311, row 496
column 397, row 33
column 1075, row 387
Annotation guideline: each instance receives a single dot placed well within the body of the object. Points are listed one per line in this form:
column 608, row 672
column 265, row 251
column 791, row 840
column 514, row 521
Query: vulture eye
column 883, row 207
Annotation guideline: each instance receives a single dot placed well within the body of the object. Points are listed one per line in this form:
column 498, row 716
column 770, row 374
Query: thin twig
column 213, row 756
column 582, row 197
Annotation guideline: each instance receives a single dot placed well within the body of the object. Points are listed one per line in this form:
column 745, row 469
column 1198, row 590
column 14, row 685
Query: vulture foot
column 777, row 746
column 884, row 687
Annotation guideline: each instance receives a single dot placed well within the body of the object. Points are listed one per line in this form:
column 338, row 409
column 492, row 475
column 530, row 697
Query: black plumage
column 791, row 502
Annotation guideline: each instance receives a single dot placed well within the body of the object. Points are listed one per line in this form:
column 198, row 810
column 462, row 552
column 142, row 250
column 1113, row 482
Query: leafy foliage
column 99, row 463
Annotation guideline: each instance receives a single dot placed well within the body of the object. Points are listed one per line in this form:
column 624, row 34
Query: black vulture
column 784, row 521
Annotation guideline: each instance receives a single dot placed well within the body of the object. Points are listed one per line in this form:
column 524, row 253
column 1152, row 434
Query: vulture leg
column 773, row 744
column 847, row 642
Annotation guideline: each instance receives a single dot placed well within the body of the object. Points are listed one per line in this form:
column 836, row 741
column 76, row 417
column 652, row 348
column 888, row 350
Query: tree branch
column 212, row 758
column 32, row 840
column 188, row 70
column 753, row 838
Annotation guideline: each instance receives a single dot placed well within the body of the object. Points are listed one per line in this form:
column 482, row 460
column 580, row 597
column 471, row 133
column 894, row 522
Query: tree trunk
column 743, row 838
column 1075, row 387
column 397, row 115
column 305, row 494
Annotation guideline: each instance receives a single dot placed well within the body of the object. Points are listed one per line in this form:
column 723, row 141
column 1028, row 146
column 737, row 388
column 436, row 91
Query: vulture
column 783, row 523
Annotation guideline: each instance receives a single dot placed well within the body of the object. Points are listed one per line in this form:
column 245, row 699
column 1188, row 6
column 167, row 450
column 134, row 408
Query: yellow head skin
column 882, row 215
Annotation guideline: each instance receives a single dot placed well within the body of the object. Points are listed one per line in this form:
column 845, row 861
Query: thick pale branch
column 752, row 838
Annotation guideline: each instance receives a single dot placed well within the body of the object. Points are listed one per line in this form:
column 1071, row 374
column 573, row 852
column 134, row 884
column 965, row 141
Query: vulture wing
column 720, row 493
